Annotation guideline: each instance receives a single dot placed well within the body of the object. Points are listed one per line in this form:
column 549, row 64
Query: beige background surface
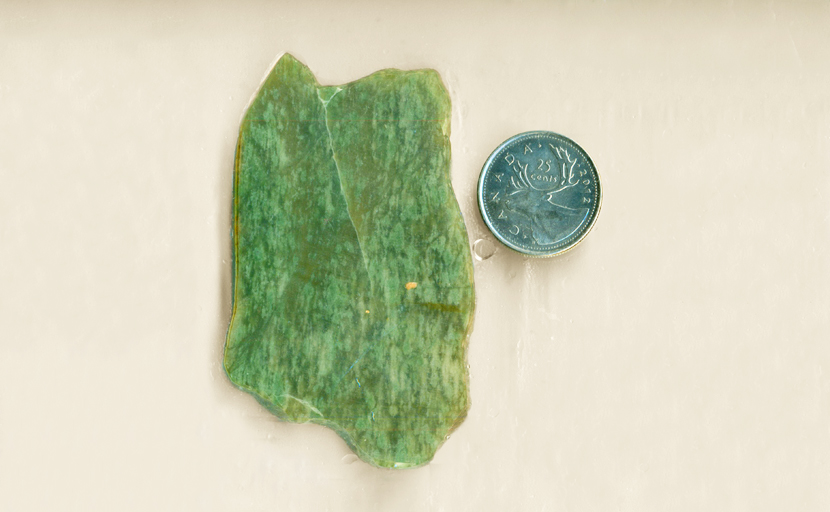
column 674, row 361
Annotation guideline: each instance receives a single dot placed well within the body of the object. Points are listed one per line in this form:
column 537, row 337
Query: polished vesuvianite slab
column 353, row 287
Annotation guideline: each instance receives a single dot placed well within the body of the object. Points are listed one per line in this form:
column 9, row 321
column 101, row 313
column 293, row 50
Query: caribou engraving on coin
column 539, row 193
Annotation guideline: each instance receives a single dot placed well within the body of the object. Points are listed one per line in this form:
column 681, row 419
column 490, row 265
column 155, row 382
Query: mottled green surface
column 342, row 198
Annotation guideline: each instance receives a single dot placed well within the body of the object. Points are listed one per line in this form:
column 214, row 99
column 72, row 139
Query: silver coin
column 539, row 193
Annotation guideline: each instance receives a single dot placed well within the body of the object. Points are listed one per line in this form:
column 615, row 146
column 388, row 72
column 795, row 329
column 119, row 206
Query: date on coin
column 539, row 193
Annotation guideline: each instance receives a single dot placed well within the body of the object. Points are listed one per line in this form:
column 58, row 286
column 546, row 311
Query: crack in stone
column 339, row 175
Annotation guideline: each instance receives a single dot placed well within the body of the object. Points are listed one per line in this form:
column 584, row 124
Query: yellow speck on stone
column 410, row 285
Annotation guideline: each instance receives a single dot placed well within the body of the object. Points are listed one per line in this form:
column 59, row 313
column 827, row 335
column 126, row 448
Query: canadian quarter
column 539, row 193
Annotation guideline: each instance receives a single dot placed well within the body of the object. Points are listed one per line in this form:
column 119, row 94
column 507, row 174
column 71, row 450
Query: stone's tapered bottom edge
column 344, row 435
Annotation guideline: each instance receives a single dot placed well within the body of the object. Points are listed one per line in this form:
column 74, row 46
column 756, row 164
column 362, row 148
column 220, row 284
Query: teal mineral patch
column 353, row 286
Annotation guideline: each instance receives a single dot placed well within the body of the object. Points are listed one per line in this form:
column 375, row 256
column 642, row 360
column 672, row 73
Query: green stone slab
column 353, row 285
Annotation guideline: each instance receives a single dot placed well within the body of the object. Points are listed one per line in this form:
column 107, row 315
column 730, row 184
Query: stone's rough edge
column 274, row 408
column 256, row 93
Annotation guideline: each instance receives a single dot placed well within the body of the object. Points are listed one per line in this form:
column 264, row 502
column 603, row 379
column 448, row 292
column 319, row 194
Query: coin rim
column 486, row 217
